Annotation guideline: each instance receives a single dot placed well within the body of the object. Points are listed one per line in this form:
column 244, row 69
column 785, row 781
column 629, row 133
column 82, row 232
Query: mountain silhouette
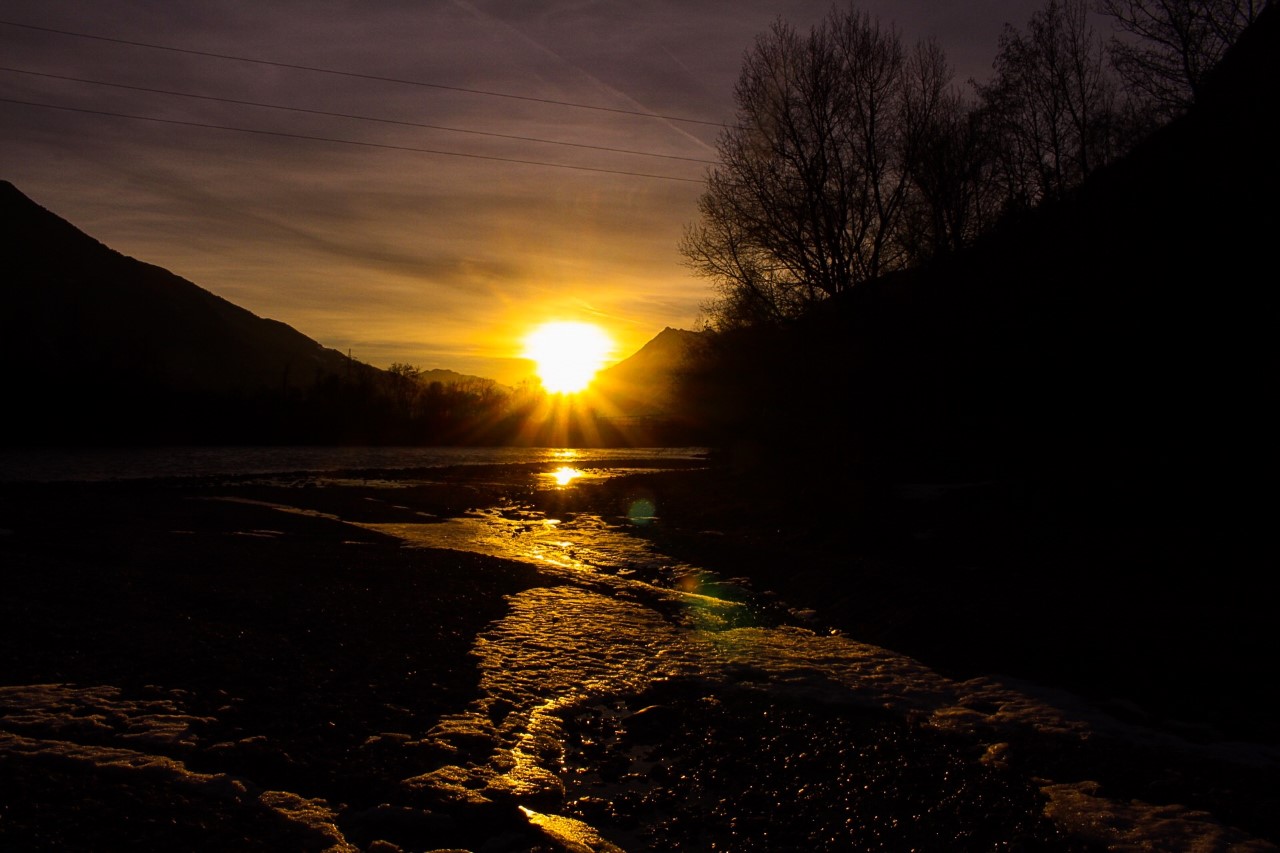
column 104, row 348
column 76, row 308
column 645, row 383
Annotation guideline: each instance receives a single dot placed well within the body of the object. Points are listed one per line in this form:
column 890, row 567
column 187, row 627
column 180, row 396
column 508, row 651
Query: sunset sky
column 402, row 255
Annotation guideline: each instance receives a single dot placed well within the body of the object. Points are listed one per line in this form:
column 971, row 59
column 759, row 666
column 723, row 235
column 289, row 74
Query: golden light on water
column 564, row 475
column 568, row 355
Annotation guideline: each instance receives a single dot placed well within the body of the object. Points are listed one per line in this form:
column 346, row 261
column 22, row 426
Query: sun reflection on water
column 564, row 475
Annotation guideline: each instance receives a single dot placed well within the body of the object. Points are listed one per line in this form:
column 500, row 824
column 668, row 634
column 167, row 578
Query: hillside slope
column 76, row 308
column 1125, row 334
column 644, row 384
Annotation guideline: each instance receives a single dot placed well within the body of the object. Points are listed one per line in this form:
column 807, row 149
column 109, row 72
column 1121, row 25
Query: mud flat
column 490, row 660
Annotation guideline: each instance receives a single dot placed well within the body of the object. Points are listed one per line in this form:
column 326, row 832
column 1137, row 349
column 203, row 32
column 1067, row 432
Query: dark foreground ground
column 1165, row 615
column 231, row 677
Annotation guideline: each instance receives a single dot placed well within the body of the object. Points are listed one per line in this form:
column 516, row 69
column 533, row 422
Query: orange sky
column 398, row 255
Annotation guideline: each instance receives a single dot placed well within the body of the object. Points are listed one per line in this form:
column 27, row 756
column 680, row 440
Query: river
column 122, row 463
column 638, row 702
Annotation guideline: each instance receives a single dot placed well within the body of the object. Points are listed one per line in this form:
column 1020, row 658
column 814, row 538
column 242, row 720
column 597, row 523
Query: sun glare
column 564, row 475
column 568, row 355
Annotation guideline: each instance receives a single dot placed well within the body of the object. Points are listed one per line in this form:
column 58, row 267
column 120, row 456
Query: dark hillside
column 80, row 308
column 1058, row 448
column 643, row 384
column 1124, row 335
column 103, row 346
column 1123, row 332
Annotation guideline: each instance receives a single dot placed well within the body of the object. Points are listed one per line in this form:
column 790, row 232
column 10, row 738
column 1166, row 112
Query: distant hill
column 450, row 377
column 644, row 384
column 76, row 308
column 106, row 349
column 103, row 348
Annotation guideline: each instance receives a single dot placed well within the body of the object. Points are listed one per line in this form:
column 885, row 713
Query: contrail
column 482, row 15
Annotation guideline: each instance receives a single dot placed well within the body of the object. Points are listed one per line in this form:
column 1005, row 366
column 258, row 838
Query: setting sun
column 568, row 355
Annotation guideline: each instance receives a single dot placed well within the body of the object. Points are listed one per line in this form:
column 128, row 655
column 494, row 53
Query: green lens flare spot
column 641, row 512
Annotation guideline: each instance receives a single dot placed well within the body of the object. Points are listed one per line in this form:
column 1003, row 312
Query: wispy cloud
column 401, row 255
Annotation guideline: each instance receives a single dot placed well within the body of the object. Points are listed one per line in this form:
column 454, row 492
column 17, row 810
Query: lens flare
column 641, row 511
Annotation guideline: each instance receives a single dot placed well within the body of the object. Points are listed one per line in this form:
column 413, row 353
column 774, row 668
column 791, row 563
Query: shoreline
column 1156, row 623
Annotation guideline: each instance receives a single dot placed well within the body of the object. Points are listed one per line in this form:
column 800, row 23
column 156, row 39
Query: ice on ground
column 70, row 712
column 605, row 635
column 98, row 728
column 1137, row 827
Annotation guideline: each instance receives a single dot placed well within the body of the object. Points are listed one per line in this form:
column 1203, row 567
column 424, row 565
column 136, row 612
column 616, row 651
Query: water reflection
column 670, row 708
column 564, row 475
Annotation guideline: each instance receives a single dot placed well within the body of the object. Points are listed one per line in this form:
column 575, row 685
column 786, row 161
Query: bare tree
column 1170, row 45
column 947, row 160
column 1051, row 106
column 815, row 173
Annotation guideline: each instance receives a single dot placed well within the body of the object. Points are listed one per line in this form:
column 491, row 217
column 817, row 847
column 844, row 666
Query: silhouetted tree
column 1051, row 107
column 952, row 197
column 816, row 171
column 1172, row 44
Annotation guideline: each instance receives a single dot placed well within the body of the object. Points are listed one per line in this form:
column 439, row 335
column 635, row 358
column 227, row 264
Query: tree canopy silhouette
column 1051, row 108
column 817, row 170
column 1174, row 44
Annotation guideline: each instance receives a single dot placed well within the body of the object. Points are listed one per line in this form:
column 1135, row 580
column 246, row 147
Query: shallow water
column 129, row 463
column 762, row 722
column 630, row 700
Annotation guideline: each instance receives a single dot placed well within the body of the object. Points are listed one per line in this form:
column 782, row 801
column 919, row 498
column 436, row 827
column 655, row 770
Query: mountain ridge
column 79, row 305
column 645, row 383
column 110, row 348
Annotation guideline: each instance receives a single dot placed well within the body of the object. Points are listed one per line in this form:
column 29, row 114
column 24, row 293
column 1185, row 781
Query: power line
column 361, row 76
column 358, row 117
column 285, row 135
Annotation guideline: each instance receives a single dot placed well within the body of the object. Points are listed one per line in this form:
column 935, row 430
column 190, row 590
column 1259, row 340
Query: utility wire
column 358, row 117
column 360, row 76
column 351, row 142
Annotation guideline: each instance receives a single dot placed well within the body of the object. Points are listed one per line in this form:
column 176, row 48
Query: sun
column 568, row 355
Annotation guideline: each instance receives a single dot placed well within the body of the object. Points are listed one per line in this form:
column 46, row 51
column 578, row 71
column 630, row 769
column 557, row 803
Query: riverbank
column 1160, row 620
column 296, row 653
column 248, row 665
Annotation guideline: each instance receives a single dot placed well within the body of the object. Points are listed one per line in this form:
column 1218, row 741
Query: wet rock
column 528, row 785
column 650, row 724
column 460, row 799
column 397, row 738
column 255, row 757
column 450, row 786
column 739, row 672
column 468, row 736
